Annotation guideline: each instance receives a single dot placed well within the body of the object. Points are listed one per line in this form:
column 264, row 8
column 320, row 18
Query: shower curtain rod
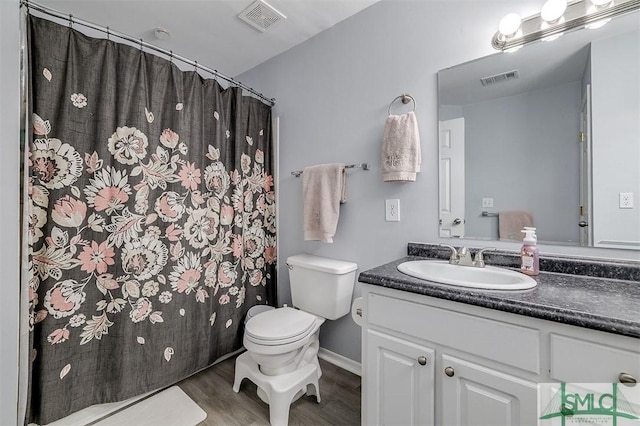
column 143, row 44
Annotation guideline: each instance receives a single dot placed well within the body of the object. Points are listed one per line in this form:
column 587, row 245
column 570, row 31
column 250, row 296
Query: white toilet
column 282, row 344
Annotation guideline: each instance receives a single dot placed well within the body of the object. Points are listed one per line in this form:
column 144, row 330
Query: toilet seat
column 280, row 327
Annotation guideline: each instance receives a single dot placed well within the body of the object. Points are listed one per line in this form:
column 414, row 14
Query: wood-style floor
column 212, row 390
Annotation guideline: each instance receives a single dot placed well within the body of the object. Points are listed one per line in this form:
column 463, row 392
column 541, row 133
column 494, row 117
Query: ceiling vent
column 261, row 15
column 499, row 78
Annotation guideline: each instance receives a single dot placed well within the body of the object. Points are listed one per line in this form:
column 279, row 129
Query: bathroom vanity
column 436, row 354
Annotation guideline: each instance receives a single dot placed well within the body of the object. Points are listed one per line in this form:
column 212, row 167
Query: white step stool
column 280, row 390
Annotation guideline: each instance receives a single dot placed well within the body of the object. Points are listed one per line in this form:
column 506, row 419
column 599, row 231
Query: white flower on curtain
column 79, row 100
column 128, row 145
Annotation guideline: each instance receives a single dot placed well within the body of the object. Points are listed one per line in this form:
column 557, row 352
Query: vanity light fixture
column 555, row 18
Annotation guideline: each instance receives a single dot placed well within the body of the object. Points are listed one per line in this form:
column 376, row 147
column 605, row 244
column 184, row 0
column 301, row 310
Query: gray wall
column 535, row 146
column 9, row 213
column 332, row 96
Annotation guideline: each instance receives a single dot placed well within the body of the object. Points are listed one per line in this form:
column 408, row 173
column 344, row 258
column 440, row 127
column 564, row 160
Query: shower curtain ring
column 171, row 56
column 141, row 46
column 70, row 21
column 195, row 66
column 108, row 33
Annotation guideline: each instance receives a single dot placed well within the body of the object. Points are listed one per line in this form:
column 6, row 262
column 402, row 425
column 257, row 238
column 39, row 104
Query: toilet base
column 279, row 391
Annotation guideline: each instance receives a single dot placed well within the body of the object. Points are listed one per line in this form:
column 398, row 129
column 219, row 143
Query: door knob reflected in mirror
column 449, row 371
column 627, row 379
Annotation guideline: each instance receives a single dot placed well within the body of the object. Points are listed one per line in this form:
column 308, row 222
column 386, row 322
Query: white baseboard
column 340, row 361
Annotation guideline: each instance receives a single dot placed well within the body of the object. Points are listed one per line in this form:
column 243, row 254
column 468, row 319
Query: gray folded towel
column 323, row 190
column 401, row 148
column 510, row 223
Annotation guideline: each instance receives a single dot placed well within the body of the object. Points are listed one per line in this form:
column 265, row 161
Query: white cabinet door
column 480, row 396
column 400, row 381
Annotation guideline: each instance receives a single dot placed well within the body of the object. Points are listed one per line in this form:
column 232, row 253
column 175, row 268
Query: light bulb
column 597, row 24
column 600, row 3
column 552, row 10
column 510, row 24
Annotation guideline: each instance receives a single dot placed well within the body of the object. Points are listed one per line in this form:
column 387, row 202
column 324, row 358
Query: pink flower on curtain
column 58, row 336
column 69, row 212
column 227, row 274
column 96, row 257
column 169, row 138
column 236, row 246
column 226, row 215
column 141, row 310
column 170, row 206
column 190, row 176
column 64, row 298
column 186, row 274
column 108, row 190
column 255, row 277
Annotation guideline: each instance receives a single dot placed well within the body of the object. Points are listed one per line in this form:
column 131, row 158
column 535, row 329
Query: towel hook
column 406, row 98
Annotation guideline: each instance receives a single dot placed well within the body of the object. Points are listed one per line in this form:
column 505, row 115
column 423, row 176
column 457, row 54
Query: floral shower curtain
column 151, row 220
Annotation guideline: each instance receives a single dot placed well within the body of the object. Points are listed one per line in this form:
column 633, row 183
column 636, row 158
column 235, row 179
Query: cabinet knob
column 449, row 371
column 627, row 379
column 422, row 360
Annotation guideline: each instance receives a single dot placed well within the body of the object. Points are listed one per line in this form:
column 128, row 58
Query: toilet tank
column 320, row 285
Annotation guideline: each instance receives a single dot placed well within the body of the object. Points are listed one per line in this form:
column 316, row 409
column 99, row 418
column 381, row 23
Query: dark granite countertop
column 605, row 304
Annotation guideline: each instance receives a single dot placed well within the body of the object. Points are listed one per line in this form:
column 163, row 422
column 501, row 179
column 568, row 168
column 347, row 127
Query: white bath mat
column 171, row 407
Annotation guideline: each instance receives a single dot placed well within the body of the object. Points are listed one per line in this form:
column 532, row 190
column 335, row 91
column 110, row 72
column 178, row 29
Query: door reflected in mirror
column 548, row 134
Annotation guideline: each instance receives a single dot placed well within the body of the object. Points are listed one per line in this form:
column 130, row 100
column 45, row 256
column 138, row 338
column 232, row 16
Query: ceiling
column 209, row 31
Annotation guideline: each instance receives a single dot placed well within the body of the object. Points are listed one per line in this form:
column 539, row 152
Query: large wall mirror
column 549, row 134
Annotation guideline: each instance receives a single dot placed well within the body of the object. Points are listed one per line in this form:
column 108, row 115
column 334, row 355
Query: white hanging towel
column 323, row 190
column 401, row 148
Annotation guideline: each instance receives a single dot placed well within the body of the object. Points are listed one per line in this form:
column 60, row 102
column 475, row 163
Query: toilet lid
column 280, row 326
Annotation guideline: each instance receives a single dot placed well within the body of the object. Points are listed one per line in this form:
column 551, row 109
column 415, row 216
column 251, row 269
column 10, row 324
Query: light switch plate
column 392, row 210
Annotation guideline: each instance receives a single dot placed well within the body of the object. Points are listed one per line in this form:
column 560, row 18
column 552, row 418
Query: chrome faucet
column 462, row 256
column 478, row 261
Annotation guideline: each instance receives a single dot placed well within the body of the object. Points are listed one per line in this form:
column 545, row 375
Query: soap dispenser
column 529, row 258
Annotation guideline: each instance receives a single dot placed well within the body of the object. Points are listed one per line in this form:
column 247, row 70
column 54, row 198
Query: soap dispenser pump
column 529, row 257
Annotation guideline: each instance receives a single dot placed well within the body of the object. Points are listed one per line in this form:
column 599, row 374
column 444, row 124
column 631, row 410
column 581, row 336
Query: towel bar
column 487, row 214
column 364, row 166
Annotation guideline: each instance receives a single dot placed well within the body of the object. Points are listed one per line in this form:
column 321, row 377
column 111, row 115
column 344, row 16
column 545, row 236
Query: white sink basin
column 489, row 277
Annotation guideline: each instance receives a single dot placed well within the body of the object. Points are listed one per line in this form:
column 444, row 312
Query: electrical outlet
column 626, row 200
column 487, row 202
column 392, row 210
